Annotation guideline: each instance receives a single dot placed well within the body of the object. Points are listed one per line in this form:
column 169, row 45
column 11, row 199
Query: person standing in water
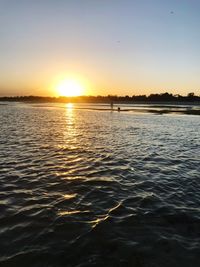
column 111, row 105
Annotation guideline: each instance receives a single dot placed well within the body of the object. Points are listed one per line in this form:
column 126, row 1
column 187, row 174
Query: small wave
column 90, row 188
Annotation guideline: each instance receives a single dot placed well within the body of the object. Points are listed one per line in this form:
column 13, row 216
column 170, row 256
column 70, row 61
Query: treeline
column 165, row 97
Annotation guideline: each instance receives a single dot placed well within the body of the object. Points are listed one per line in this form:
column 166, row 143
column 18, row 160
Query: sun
column 69, row 88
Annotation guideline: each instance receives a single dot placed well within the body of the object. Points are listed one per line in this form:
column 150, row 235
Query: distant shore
column 120, row 104
column 162, row 99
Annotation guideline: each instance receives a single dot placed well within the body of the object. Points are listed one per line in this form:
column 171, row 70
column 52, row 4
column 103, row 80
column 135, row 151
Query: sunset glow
column 104, row 47
column 69, row 88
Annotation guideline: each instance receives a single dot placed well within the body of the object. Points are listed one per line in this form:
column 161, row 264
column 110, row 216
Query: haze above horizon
column 105, row 47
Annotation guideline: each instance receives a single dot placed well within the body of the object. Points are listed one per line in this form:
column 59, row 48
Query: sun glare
column 69, row 105
column 69, row 88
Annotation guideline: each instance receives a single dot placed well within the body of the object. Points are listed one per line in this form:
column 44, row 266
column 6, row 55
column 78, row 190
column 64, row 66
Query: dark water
column 91, row 188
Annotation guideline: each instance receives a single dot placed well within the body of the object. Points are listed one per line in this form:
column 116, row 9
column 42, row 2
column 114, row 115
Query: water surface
column 82, row 187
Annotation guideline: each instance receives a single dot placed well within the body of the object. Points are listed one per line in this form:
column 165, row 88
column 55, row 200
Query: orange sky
column 118, row 47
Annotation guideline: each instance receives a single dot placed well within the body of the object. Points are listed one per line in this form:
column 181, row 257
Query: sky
column 117, row 47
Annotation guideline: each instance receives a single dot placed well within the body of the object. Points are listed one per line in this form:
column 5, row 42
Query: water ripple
column 90, row 188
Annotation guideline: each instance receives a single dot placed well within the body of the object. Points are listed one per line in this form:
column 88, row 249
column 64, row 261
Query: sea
column 83, row 185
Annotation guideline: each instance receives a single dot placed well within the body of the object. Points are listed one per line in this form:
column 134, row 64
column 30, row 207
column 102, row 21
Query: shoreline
column 152, row 108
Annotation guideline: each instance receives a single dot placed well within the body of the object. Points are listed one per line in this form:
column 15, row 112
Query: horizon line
column 109, row 95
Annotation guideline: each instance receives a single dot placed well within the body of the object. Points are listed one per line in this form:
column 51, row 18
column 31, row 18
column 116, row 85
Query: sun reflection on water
column 69, row 105
column 70, row 134
column 71, row 212
column 69, row 196
column 70, row 120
